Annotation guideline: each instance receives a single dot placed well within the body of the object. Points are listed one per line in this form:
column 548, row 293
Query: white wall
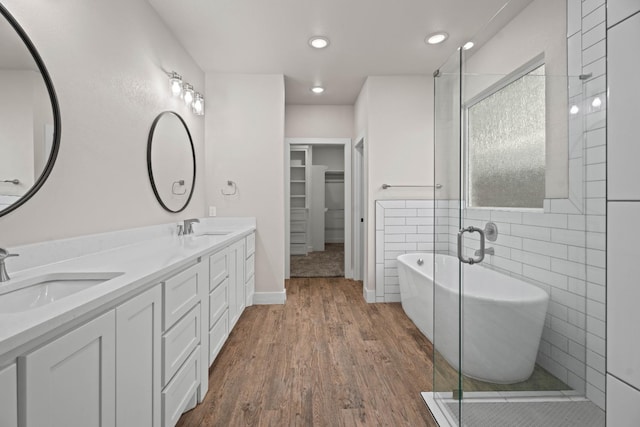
column 244, row 143
column 106, row 60
column 319, row 121
column 395, row 115
column 541, row 28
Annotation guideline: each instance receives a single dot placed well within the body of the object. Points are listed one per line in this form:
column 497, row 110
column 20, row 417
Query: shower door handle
column 471, row 260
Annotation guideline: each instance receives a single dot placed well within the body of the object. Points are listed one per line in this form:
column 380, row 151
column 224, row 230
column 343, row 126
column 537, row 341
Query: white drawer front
column 250, row 244
column 298, row 249
column 298, row 226
column 298, row 214
column 218, row 268
column 217, row 337
column 249, row 267
column 181, row 292
column 177, row 395
column 249, row 290
column 179, row 342
column 298, row 238
column 218, row 301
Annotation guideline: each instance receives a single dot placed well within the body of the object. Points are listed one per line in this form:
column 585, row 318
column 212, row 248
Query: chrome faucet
column 188, row 226
column 4, row 276
column 487, row 251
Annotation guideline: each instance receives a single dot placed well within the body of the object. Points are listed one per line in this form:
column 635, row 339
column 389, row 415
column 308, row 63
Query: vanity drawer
column 249, row 267
column 179, row 342
column 218, row 268
column 180, row 293
column 298, row 227
column 179, row 394
column 218, row 301
column 217, row 336
column 250, row 244
column 249, row 290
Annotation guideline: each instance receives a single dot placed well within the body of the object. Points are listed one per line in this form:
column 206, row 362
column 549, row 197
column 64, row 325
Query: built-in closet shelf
column 298, row 166
column 297, row 181
column 299, row 196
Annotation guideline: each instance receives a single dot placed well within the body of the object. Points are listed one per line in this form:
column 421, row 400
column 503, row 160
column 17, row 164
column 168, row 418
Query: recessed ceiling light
column 468, row 45
column 436, row 38
column 318, row 42
column 317, row 90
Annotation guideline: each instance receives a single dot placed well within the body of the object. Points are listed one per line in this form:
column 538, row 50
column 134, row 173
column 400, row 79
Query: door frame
column 346, row 142
column 359, row 210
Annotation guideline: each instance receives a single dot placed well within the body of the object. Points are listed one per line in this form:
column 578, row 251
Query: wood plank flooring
column 325, row 358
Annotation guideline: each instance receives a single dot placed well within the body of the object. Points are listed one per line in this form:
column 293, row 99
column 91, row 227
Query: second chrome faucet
column 187, row 226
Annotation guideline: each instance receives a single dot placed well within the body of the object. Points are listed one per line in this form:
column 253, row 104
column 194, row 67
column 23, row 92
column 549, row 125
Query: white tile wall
column 623, row 404
column 624, row 87
column 623, row 339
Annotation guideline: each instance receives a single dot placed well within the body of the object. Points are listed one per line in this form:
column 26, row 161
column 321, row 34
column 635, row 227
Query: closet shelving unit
column 300, row 160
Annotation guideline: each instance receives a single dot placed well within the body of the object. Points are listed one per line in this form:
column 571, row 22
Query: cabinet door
column 71, row 381
column 236, row 282
column 9, row 397
column 138, row 331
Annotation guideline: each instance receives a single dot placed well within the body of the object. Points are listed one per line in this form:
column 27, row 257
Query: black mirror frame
column 55, row 109
column 150, row 169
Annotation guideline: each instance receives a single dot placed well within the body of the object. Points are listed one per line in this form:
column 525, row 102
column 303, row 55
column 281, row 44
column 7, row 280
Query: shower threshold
column 497, row 409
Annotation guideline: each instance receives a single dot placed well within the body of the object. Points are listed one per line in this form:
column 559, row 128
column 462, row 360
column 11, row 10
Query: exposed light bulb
column 468, row 45
column 198, row 104
column 574, row 110
column 597, row 102
column 188, row 93
column 175, row 81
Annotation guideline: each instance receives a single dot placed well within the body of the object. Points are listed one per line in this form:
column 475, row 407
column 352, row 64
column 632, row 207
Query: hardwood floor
column 325, row 358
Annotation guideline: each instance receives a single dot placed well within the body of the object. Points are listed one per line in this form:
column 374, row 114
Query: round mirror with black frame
column 29, row 117
column 171, row 161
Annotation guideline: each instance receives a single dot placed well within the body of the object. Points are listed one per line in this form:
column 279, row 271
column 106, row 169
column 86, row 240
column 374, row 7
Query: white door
column 71, row 381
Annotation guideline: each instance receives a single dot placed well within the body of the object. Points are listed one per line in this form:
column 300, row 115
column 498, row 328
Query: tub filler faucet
column 487, row 251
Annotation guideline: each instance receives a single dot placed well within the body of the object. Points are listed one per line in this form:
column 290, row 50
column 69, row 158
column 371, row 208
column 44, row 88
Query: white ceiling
column 368, row 37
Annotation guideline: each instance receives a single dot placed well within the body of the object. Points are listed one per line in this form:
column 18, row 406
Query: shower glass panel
column 516, row 295
column 447, row 380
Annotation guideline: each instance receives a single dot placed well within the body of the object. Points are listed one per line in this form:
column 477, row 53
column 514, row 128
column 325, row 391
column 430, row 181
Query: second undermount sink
column 43, row 290
column 214, row 233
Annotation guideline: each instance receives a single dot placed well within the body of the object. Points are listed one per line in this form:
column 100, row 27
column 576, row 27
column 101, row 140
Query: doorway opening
column 318, row 192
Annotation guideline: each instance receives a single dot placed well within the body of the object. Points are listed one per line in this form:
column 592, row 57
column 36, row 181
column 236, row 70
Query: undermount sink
column 215, row 233
column 48, row 288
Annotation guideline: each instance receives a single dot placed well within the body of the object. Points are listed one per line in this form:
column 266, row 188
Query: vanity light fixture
column 574, row 110
column 318, row 42
column 317, row 90
column 198, row 104
column 436, row 38
column 187, row 93
column 175, row 80
column 194, row 100
column 597, row 102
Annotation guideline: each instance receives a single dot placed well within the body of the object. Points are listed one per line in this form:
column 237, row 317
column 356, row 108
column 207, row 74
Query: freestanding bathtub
column 502, row 317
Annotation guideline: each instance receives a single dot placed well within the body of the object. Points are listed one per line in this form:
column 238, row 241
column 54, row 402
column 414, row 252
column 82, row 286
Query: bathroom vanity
column 132, row 347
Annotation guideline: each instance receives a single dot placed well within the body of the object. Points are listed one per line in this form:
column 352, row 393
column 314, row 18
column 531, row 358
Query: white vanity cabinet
column 9, row 396
column 138, row 369
column 71, row 381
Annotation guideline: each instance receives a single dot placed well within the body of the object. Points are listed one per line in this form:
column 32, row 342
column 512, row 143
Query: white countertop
column 140, row 264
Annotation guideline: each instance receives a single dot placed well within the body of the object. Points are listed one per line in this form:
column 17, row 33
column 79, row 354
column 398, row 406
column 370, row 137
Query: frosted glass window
column 506, row 145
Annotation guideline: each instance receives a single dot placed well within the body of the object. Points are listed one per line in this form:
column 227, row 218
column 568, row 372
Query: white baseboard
column 369, row 295
column 269, row 298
